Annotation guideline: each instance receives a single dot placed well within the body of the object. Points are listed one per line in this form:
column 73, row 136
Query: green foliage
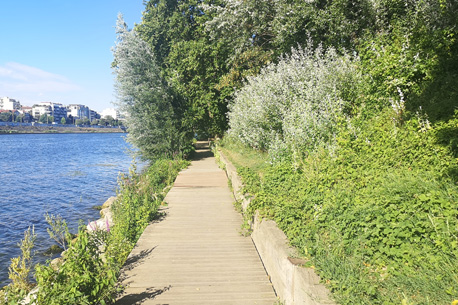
column 205, row 51
column 85, row 277
column 189, row 61
column 295, row 105
column 152, row 119
column 417, row 55
column 251, row 181
column 242, row 155
column 43, row 119
column 58, row 230
column 377, row 215
column 19, row 271
column 193, row 72
column 83, row 121
column 6, row 116
column 446, row 134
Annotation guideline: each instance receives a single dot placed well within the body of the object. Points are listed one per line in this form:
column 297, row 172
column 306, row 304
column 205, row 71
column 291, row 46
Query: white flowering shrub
column 295, row 103
column 241, row 23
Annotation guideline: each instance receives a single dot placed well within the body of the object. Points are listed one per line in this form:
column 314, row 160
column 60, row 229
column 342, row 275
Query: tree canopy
column 187, row 58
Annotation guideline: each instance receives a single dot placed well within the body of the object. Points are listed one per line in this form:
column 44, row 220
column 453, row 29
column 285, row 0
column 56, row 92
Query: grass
column 377, row 217
column 242, row 156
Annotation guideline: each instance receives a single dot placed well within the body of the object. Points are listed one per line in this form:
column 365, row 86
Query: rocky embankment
column 106, row 220
column 104, row 223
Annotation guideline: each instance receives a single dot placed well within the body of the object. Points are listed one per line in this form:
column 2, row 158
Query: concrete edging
column 293, row 284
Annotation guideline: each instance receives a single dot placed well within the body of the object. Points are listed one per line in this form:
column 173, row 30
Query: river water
column 62, row 174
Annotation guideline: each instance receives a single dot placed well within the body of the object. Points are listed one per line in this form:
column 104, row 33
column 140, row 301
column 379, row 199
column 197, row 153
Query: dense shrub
column 295, row 105
column 377, row 216
column 84, row 276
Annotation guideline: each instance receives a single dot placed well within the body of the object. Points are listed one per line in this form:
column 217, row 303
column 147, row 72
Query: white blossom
column 294, row 104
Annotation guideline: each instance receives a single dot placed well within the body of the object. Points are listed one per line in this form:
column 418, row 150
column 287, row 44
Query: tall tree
column 143, row 95
column 189, row 60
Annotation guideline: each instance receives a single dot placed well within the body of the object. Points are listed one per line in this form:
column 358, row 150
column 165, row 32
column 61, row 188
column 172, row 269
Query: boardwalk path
column 195, row 254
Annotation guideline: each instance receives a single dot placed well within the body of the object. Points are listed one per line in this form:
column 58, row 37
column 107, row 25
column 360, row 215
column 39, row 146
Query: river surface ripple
column 63, row 174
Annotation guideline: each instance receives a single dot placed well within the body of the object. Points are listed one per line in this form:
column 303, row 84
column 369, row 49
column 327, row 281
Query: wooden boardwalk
column 196, row 254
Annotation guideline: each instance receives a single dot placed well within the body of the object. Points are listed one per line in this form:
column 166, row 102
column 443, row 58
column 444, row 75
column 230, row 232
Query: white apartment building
column 78, row 111
column 57, row 110
column 7, row 103
column 94, row 115
column 114, row 113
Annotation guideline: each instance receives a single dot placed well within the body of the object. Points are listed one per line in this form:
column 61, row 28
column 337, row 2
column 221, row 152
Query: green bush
column 295, row 105
column 377, row 216
column 84, row 277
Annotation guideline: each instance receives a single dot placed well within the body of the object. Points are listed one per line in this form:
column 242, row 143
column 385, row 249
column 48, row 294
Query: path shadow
column 139, row 298
column 160, row 215
column 135, row 260
column 201, row 154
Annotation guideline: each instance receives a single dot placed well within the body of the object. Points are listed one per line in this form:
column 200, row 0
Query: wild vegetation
column 346, row 110
column 89, row 269
column 362, row 173
column 351, row 102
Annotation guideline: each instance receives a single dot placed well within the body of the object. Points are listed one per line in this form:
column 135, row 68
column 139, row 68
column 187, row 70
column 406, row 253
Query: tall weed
column 20, row 271
column 84, row 277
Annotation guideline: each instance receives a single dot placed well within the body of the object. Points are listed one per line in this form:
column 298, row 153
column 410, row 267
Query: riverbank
column 89, row 269
column 55, row 129
column 65, row 174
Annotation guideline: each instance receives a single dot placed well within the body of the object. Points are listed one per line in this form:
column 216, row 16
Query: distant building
column 39, row 109
column 114, row 113
column 26, row 111
column 78, row 111
column 94, row 115
column 7, row 103
column 56, row 110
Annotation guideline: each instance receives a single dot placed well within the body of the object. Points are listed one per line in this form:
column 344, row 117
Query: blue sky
column 60, row 51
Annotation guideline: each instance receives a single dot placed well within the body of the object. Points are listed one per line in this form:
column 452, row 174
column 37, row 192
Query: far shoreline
column 11, row 130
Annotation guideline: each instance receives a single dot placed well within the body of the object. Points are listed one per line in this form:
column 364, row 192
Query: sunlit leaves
column 142, row 95
column 296, row 102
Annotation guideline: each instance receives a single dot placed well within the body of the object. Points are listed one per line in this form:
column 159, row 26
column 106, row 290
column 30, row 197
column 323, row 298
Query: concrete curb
column 293, row 284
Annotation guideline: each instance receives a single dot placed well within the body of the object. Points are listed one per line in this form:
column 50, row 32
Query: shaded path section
column 195, row 254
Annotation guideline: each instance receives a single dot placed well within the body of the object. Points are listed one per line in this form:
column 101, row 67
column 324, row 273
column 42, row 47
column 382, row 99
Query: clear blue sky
column 60, row 51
